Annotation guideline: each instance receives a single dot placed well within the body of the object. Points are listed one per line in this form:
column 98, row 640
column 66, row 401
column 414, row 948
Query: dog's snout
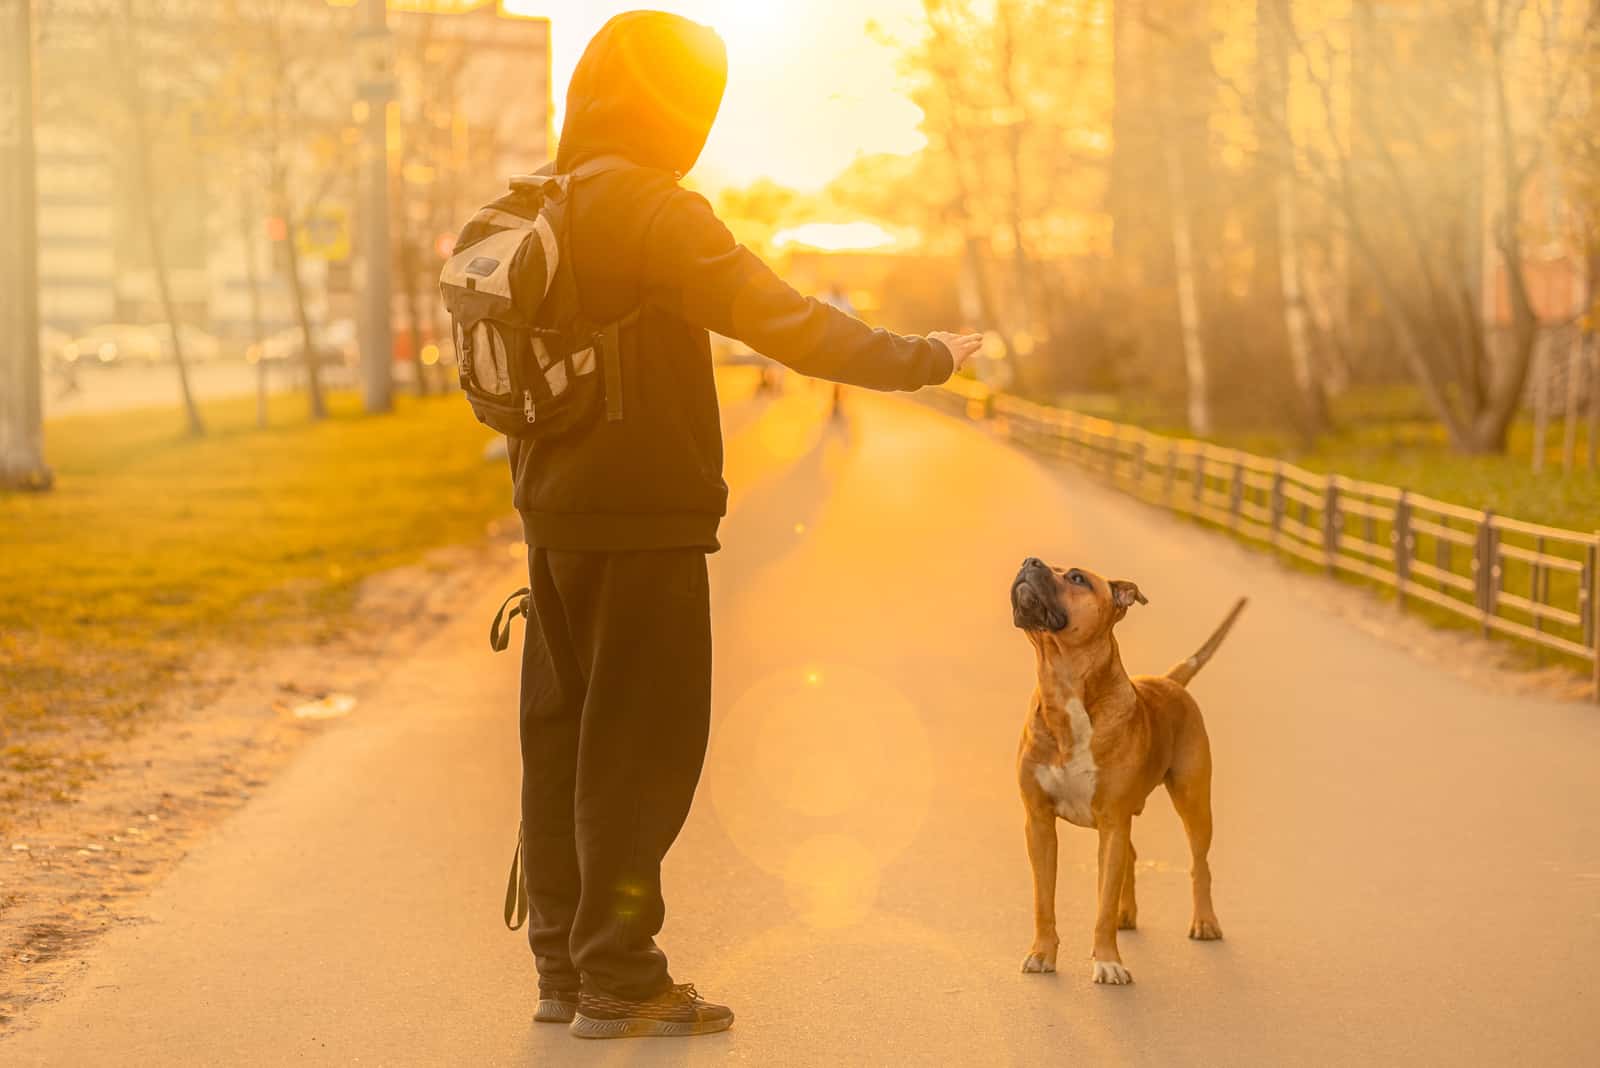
column 1032, row 562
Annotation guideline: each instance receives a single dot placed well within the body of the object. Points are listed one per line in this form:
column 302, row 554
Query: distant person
column 837, row 298
column 67, row 372
column 620, row 513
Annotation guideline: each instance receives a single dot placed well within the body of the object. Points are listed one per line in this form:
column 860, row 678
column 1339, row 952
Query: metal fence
column 1533, row 583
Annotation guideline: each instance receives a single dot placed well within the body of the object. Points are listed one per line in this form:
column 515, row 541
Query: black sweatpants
column 616, row 710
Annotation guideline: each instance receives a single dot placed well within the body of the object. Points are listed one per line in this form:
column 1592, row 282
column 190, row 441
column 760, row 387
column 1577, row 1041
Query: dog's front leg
column 1115, row 839
column 1042, row 856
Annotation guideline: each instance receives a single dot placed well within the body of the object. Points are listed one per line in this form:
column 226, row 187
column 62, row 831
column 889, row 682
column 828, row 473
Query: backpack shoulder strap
column 589, row 168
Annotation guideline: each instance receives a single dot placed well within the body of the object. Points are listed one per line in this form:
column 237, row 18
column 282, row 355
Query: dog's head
column 1070, row 606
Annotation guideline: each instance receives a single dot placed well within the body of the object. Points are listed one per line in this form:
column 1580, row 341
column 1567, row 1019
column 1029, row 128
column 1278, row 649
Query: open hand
column 962, row 346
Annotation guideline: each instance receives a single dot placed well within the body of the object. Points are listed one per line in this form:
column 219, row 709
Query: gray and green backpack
column 531, row 365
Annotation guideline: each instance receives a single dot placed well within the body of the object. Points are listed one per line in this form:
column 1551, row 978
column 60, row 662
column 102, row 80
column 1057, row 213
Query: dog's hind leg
column 1042, row 856
column 1191, row 796
column 1128, row 909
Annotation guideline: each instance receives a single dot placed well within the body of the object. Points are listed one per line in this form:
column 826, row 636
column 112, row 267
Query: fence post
column 1330, row 526
column 1199, row 477
column 1593, row 615
column 1172, row 473
column 1484, row 569
column 1401, row 535
column 1138, row 464
column 1236, row 499
column 1538, row 580
column 1277, row 503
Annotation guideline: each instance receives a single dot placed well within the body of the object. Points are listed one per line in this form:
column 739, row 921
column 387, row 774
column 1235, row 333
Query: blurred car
column 336, row 343
column 115, row 345
column 198, row 346
column 122, row 344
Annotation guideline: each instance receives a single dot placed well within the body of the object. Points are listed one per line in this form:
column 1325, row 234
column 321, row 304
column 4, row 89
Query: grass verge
column 155, row 548
column 1387, row 435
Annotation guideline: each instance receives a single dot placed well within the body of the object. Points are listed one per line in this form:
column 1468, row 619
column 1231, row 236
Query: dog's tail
column 1185, row 670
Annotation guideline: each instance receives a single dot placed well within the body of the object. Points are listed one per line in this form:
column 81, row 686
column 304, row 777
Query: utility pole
column 21, row 440
column 377, row 88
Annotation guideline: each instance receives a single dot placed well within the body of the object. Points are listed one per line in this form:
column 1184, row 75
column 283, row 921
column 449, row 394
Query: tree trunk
column 318, row 407
column 1504, row 394
column 1194, row 355
column 955, row 135
column 148, row 215
column 1541, row 403
column 22, row 463
column 1273, row 69
column 1593, row 344
column 1313, row 402
column 409, row 270
column 252, row 274
column 1016, row 120
column 1569, row 425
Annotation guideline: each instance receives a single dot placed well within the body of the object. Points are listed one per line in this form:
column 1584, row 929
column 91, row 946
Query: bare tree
column 136, row 99
column 948, row 99
column 286, row 113
column 1407, row 171
column 1278, row 149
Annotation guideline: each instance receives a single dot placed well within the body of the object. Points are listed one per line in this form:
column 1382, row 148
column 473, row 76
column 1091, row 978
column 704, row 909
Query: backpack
column 527, row 356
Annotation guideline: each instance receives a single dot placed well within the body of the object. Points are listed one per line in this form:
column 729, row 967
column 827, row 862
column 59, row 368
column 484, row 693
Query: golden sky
column 808, row 88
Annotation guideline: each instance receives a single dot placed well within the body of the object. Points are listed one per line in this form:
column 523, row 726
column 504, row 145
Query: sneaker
column 556, row 1006
column 678, row 1010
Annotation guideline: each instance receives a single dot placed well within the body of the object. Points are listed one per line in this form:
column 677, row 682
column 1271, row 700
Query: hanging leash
column 521, row 604
column 517, row 889
column 518, row 604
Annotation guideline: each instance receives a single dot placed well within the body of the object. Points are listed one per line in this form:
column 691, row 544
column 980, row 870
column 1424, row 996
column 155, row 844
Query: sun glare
column 836, row 237
column 747, row 26
column 808, row 88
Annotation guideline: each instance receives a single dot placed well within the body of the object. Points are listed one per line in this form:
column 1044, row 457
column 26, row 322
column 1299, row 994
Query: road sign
column 326, row 235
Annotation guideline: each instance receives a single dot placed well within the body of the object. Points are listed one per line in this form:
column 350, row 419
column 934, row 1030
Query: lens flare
column 825, row 793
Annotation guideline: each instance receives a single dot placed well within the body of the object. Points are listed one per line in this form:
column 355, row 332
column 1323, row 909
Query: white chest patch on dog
column 1071, row 784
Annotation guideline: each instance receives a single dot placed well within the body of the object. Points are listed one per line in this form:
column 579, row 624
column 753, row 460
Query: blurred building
column 472, row 105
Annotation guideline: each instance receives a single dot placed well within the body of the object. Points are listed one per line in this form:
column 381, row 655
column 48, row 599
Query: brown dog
column 1094, row 746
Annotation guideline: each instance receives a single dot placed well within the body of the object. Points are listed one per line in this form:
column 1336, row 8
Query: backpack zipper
column 527, row 404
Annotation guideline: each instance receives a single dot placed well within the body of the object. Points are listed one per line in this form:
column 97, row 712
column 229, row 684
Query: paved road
column 1408, row 871
column 105, row 389
column 109, row 389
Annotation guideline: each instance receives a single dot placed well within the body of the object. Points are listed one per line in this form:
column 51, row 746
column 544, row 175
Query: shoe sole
column 550, row 1010
column 636, row 1027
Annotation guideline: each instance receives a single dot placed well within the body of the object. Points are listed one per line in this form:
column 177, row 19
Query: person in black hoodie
column 619, row 517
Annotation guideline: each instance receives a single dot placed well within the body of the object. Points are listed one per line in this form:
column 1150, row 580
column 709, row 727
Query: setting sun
column 806, row 69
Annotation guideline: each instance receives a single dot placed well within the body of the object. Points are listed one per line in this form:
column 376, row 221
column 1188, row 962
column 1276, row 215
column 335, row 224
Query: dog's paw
column 1039, row 962
column 1128, row 920
column 1112, row 973
column 1206, row 930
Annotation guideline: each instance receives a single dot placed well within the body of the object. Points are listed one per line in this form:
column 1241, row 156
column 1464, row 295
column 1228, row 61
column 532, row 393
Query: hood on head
column 647, row 88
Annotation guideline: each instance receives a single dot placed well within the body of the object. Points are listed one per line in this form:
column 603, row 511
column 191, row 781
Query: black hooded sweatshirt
column 647, row 89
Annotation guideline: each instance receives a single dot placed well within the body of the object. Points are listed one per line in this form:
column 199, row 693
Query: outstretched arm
column 698, row 271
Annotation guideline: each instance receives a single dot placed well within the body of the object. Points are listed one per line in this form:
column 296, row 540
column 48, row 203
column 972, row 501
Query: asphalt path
column 1407, row 869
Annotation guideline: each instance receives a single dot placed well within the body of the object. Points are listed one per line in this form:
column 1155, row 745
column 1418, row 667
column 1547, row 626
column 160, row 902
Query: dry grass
column 156, row 549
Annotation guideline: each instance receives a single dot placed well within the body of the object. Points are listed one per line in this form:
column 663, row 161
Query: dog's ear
column 1124, row 595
